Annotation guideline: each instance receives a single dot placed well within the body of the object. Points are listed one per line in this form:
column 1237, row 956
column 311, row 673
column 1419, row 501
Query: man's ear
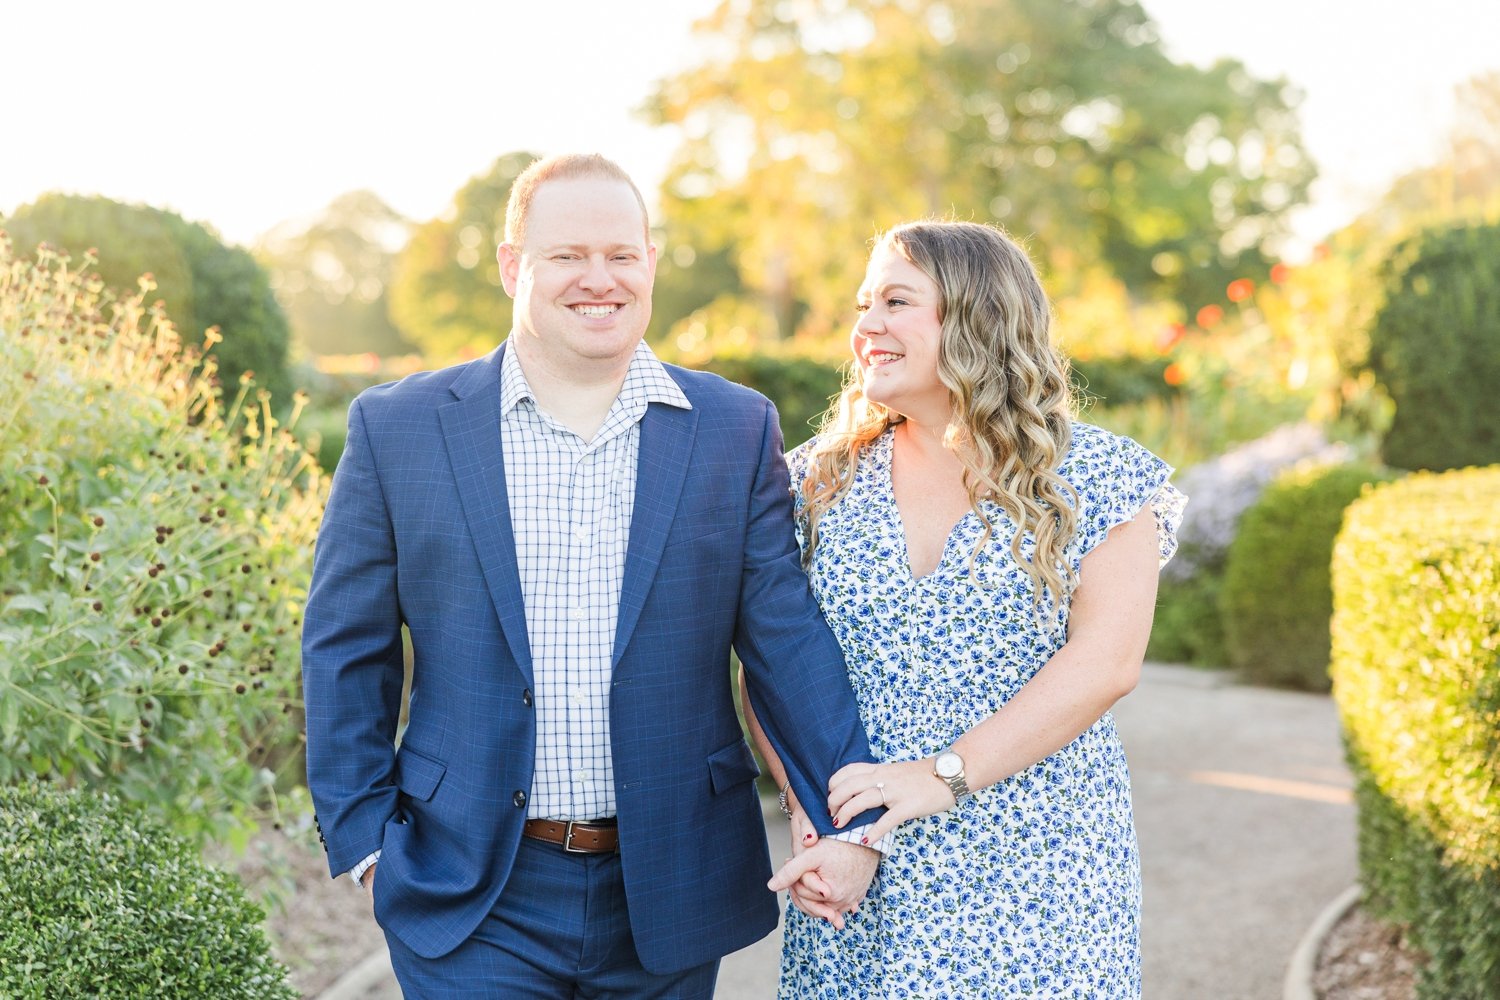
column 510, row 267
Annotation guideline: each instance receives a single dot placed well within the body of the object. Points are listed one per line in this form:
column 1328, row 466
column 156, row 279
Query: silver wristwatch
column 949, row 766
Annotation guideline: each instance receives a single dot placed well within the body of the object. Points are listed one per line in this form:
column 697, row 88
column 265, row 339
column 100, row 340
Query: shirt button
column 581, row 533
column 578, row 614
column 526, row 697
column 519, row 799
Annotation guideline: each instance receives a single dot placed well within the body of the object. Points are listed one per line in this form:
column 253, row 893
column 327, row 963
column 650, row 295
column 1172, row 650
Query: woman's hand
column 908, row 790
column 810, row 893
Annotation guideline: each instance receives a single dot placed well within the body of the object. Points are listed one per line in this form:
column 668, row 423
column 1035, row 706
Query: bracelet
column 786, row 810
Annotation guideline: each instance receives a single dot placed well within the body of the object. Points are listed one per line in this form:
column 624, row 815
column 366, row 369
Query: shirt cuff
column 357, row 873
column 855, row 835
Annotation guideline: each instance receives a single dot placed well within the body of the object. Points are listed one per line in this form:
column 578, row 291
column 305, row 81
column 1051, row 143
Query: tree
column 202, row 281
column 446, row 294
column 332, row 275
column 821, row 122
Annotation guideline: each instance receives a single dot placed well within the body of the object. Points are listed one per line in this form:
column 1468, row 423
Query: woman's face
column 895, row 341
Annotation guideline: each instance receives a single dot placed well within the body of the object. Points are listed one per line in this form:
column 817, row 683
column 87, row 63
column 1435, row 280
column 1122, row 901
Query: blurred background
column 1269, row 231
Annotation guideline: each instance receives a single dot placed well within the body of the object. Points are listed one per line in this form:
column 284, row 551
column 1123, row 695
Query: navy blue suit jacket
column 417, row 531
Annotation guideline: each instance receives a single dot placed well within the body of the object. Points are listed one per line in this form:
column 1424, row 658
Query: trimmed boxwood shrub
column 1416, row 675
column 1189, row 626
column 1277, row 598
column 1435, row 347
column 96, row 900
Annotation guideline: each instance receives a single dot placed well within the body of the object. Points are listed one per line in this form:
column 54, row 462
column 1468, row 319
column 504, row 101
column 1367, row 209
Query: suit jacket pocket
column 691, row 527
column 731, row 766
column 417, row 774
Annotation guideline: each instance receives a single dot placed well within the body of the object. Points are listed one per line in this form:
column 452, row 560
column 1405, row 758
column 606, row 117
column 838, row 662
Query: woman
column 989, row 566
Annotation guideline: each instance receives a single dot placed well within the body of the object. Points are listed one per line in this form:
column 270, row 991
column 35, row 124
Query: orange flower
column 1209, row 317
column 1240, row 289
column 1173, row 374
column 1280, row 272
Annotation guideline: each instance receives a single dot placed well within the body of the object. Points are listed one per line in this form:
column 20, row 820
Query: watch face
column 948, row 765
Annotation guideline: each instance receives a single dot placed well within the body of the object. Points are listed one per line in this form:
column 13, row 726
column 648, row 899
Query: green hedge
column 1122, row 380
column 1416, row 674
column 1435, row 347
column 1188, row 627
column 1277, row 597
column 96, row 900
column 800, row 383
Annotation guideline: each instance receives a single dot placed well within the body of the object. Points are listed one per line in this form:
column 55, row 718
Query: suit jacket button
column 519, row 799
column 526, row 697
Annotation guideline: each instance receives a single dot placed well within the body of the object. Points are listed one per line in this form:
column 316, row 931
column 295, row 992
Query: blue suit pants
column 559, row 931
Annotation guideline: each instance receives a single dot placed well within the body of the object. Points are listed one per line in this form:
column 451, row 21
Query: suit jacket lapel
column 471, row 432
column 666, row 447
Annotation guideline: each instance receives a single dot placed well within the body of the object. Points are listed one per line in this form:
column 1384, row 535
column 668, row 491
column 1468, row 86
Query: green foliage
column 799, row 382
column 1188, row 627
column 1061, row 119
column 1416, row 675
column 1277, row 597
column 1122, row 380
column 100, row 901
column 446, row 294
column 203, row 282
column 332, row 275
column 155, row 548
column 1435, row 346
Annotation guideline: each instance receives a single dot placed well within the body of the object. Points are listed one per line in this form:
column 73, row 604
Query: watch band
column 957, row 782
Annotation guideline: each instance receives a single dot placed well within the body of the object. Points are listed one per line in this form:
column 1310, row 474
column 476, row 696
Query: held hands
column 908, row 790
column 828, row 879
column 826, row 882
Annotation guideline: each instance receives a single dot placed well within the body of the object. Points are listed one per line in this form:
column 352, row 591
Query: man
column 574, row 535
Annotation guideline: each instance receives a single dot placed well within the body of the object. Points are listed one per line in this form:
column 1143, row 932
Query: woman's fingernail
column 865, row 841
column 807, row 836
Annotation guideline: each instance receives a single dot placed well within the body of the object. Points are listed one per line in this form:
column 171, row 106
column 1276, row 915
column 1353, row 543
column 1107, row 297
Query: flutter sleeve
column 1116, row 478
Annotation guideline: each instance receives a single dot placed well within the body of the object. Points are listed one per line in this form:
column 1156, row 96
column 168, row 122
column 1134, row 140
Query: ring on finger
column 880, row 787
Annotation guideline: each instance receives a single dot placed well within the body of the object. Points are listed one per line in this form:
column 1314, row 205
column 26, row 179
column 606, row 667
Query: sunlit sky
column 244, row 115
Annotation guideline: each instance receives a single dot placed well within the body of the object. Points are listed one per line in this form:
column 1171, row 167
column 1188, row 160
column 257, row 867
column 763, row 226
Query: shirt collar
column 646, row 382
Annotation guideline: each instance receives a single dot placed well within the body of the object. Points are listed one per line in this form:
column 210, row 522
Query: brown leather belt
column 576, row 837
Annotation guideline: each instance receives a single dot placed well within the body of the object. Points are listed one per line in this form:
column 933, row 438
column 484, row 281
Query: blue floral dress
column 1030, row 887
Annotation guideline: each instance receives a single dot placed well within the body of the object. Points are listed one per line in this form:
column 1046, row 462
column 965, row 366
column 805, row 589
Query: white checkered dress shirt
column 571, row 502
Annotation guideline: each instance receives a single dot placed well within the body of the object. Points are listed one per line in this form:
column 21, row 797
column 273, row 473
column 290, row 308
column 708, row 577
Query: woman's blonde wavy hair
column 1012, row 405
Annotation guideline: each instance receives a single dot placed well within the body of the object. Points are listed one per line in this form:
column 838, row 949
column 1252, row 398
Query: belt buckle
column 567, row 845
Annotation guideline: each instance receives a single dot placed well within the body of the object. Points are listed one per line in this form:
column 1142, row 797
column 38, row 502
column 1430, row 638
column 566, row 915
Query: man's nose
column 597, row 276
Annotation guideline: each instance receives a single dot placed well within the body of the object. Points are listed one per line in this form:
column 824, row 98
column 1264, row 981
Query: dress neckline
column 886, row 457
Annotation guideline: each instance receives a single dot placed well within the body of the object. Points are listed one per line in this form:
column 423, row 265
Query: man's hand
column 368, row 881
column 829, row 879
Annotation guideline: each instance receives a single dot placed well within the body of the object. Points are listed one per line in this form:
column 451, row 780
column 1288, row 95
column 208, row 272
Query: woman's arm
column 1108, row 626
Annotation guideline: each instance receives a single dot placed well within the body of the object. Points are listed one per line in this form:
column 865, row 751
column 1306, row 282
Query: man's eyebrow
column 609, row 248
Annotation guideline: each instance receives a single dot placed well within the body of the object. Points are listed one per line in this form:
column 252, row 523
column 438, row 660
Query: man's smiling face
column 582, row 281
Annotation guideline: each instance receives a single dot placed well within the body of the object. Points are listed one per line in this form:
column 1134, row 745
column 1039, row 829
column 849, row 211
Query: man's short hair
column 566, row 166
